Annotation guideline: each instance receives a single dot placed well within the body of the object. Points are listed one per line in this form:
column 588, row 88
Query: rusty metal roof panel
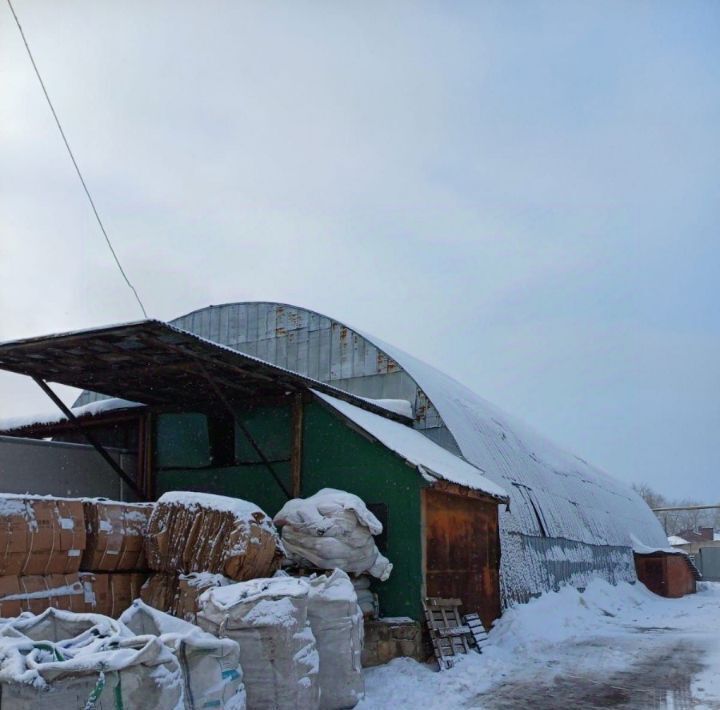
column 154, row 363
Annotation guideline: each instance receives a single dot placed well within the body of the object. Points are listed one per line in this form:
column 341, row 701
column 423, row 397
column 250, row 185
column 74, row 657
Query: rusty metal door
column 462, row 554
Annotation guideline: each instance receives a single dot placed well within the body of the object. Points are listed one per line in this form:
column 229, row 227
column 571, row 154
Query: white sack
column 67, row 629
column 337, row 624
column 268, row 619
column 366, row 599
column 211, row 666
column 333, row 529
column 135, row 672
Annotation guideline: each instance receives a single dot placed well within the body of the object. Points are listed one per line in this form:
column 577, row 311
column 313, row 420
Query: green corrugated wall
column 334, row 456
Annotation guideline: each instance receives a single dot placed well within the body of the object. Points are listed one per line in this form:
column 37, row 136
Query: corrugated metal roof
column 553, row 493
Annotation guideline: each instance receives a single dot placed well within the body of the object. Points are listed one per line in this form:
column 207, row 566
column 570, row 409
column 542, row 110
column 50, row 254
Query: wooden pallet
column 450, row 637
column 477, row 631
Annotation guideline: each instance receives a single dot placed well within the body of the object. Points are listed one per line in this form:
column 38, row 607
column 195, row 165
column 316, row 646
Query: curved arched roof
column 553, row 492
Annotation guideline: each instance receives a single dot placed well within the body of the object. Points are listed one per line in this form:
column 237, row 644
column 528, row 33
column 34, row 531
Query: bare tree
column 650, row 496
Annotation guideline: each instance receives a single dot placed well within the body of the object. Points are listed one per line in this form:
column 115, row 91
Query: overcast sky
column 524, row 194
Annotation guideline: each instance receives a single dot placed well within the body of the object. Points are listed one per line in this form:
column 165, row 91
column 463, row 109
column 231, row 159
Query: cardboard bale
column 40, row 535
column 178, row 594
column 36, row 593
column 9, row 601
column 160, row 591
column 199, row 532
column 189, row 589
column 110, row 594
column 115, row 535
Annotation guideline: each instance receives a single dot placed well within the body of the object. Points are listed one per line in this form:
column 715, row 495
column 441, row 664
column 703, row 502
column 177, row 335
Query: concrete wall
column 60, row 469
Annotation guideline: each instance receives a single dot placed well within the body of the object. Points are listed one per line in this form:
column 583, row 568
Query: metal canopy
column 154, row 363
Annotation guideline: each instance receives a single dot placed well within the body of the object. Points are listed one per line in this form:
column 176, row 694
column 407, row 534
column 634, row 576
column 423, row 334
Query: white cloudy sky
column 523, row 193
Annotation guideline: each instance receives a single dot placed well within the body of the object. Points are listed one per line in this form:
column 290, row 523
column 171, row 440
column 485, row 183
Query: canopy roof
column 154, row 363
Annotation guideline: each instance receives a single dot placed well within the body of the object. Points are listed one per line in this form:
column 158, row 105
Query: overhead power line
column 74, row 162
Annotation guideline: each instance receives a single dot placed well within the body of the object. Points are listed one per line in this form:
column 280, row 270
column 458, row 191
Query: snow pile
column 269, row 620
column 210, row 666
column 200, row 532
column 591, row 639
column 333, row 529
column 337, row 624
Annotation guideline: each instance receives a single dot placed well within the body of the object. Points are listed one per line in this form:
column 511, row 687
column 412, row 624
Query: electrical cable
column 74, row 162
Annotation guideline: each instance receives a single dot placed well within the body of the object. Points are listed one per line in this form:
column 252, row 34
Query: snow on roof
column 86, row 410
column 677, row 540
column 552, row 492
column 640, row 548
column 397, row 406
column 549, row 488
column 415, row 448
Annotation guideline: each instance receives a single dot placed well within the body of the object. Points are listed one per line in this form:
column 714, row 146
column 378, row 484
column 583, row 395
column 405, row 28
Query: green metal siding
column 334, row 456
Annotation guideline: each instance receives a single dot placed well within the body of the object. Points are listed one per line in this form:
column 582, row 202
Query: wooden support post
column 90, row 438
column 241, row 425
column 297, row 444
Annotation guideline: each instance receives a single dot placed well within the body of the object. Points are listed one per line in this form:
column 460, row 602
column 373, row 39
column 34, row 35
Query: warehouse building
column 566, row 522
column 219, row 421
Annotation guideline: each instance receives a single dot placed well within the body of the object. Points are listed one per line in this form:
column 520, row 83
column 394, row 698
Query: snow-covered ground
column 610, row 646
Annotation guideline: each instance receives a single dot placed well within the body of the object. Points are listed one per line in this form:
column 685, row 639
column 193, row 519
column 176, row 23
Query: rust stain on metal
column 462, row 552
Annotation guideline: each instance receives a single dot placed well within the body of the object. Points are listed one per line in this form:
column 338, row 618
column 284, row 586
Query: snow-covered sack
column 64, row 628
column 337, row 624
column 333, row 529
column 109, row 672
column 366, row 599
column 201, row 532
column 211, row 666
column 269, row 620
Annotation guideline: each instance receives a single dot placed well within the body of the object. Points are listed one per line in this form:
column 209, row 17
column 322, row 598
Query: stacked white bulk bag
column 269, row 620
column 337, row 624
column 65, row 628
column 211, row 666
column 333, row 529
column 366, row 599
column 115, row 672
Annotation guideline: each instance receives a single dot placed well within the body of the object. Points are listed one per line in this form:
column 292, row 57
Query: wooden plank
column 297, row 441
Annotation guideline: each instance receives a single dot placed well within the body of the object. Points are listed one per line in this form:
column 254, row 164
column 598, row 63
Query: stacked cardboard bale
column 113, row 564
column 196, row 541
column 178, row 594
column 42, row 540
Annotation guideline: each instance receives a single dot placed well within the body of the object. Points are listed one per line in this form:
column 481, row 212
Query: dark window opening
column 380, row 511
column 221, row 433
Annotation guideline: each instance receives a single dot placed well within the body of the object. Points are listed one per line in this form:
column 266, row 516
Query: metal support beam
column 244, row 430
column 297, row 444
column 90, row 438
